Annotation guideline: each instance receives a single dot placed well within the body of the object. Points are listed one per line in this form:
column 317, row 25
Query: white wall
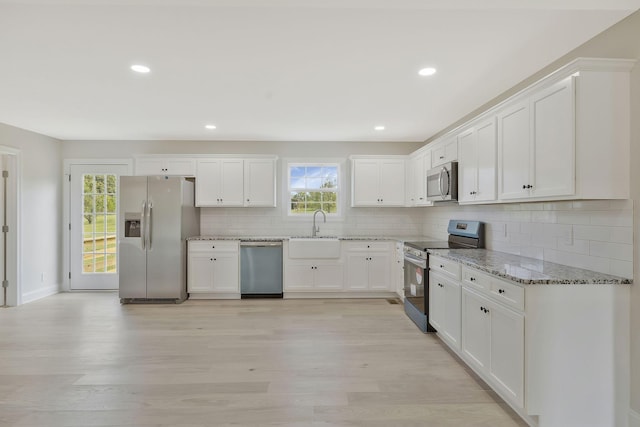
column 41, row 210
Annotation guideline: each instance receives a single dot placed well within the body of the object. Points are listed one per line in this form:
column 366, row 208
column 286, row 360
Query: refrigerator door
column 165, row 253
column 132, row 255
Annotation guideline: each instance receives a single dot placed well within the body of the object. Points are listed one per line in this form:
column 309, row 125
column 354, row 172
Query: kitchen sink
column 314, row 247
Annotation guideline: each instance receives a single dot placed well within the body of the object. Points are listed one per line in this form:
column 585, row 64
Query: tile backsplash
column 591, row 234
column 397, row 222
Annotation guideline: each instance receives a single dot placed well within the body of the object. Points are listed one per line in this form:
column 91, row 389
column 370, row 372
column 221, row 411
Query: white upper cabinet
column 565, row 137
column 219, row 182
column 227, row 182
column 537, row 144
column 259, row 182
column 378, row 181
column 444, row 152
column 419, row 164
column 165, row 166
column 477, row 163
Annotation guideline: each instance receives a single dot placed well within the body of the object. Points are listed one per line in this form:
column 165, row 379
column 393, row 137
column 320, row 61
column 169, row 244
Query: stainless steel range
column 462, row 235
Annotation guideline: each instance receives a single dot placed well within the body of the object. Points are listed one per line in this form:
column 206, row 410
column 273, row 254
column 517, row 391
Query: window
column 313, row 186
column 99, row 223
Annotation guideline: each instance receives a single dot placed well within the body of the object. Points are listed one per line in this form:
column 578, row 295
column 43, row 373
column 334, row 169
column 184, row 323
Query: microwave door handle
column 143, row 223
column 440, row 182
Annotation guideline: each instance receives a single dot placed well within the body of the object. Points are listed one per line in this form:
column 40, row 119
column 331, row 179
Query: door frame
column 66, row 208
column 14, row 247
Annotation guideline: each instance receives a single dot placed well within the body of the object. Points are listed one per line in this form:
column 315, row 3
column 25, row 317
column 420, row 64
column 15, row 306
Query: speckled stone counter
column 280, row 238
column 527, row 271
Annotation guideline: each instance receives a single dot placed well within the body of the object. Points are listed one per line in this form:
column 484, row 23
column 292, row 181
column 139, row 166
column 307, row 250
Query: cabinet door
column 507, row 352
column 380, row 272
column 392, row 182
column 468, row 166
column 259, row 182
column 437, row 302
column 486, row 143
column 366, row 183
column 200, row 272
column 208, row 182
column 476, row 330
column 357, row 271
column 181, row 167
column 418, row 180
column 299, row 276
column 232, row 179
column 328, row 276
column 513, row 144
column 150, row 167
column 553, row 140
column 452, row 315
column 225, row 272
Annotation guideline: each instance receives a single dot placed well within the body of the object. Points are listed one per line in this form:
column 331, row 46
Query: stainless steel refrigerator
column 157, row 214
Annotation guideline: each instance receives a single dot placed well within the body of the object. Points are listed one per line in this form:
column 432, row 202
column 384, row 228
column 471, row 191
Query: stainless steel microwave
column 442, row 183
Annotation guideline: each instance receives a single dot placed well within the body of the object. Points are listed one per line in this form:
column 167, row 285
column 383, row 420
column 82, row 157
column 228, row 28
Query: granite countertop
column 524, row 270
column 281, row 238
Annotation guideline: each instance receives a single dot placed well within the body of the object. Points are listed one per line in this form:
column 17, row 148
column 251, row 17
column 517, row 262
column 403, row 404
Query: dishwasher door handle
column 260, row 244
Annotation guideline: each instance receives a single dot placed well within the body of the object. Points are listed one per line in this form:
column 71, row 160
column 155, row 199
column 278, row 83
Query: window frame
column 339, row 190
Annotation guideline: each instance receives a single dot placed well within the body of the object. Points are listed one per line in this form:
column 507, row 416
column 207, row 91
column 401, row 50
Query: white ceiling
column 278, row 70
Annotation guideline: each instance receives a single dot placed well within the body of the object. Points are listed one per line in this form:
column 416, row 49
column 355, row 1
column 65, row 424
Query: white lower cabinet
column 444, row 308
column 493, row 341
column 481, row 318
column 313, row 275
column 369, row 266
column 212, row 267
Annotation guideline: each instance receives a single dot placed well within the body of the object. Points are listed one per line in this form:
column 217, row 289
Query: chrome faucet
column 315, row 228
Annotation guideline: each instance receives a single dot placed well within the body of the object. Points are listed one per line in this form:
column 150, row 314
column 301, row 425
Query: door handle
column 143, row 225
column 150, row 225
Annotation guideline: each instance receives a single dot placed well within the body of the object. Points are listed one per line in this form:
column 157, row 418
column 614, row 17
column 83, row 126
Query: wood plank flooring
column 82, row 359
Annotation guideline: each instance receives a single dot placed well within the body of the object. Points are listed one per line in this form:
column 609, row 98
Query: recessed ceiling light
column 210, row 126
column 143, row 69
column 379, row 128
column 427, row 71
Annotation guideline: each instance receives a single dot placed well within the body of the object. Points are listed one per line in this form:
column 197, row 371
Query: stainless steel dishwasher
column 261, row 269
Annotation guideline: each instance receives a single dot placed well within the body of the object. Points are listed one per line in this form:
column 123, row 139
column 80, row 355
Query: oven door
column 415, row 277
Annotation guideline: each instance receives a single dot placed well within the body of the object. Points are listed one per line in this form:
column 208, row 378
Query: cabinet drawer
column 369, row 246
column 444, row 266
column 507, row 293
column 475, row 279
column 213, row 245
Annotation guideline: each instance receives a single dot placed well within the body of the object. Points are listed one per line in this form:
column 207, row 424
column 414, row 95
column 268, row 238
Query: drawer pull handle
column 484, row 310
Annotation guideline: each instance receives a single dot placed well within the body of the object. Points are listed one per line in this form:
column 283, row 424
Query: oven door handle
column 418, row 262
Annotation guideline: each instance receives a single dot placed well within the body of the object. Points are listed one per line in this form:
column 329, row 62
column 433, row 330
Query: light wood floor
column 82, row 359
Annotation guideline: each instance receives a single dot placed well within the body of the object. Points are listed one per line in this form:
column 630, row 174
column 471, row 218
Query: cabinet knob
column 441, row 266
column 247, row 200
column 210, row 259
column 481, row 308
column 529, row 186
column 215, row 259
column 501, row 291
column 441, row 157
column 473, row 279
column 524, row 187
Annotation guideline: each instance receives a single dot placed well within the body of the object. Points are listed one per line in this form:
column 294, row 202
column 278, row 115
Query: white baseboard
column 40, row 293
column 634, row 418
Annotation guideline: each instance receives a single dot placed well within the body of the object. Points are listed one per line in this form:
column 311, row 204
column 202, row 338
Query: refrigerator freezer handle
column 143, row 224
column 150, row 225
